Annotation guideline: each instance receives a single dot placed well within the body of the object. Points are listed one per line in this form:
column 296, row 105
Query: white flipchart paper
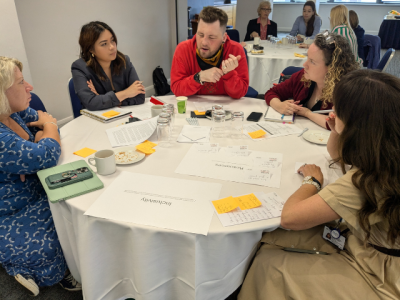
column 164, row 202
column 253, row 167
column 132, row 134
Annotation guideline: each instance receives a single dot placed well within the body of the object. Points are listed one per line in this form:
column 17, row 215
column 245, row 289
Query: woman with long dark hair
column 307, row 25
column 103, row 76
column 365, row 203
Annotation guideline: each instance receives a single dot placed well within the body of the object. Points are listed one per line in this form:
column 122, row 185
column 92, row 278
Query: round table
column 389, row 34
column 265, row 69
column 118, row 260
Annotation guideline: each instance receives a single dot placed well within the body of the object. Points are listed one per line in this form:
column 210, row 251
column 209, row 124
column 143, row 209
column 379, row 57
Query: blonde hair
column 339, row 16
column 7, row 69
column 262, row 3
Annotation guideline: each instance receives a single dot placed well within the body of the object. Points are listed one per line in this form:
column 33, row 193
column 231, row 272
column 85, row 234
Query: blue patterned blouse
column 28, row 240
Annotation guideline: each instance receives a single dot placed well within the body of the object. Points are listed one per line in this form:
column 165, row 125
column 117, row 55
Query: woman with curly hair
column 329, row 58
column 365, row 201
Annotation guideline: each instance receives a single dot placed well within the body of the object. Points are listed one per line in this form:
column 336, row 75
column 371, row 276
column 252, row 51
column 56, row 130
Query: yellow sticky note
column 248, row 201
column 145, row 149
column 110, row 114
column 225, row 205
column 198, row 113
column 299, row 55
column 257, row 134
column 85, row 152
column 148, row 143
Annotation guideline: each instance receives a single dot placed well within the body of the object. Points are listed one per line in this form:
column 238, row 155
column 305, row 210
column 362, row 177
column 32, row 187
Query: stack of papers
column 194, row 134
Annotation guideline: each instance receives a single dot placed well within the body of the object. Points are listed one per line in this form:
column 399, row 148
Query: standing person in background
column 210, row 63
column 309, row 24
column 358, row 31
column 261, row 27
column 104, row 77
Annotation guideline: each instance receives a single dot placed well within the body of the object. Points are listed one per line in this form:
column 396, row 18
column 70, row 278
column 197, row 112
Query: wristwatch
column 197, row 78
column 313, row 181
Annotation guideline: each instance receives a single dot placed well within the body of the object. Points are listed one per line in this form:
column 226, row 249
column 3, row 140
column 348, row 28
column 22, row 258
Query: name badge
column 333, row 236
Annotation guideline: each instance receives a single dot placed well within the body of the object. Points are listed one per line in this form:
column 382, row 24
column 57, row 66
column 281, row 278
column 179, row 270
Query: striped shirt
column 348, row 33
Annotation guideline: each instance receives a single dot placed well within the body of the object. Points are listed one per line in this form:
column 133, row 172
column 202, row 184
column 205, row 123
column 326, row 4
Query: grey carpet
column 10, row 289
column 394, row 65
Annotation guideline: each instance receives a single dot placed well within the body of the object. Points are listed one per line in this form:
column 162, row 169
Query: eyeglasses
column 266, row 9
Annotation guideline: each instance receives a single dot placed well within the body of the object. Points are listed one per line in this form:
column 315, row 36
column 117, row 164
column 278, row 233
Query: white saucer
column 317, row 136
column 137, row 156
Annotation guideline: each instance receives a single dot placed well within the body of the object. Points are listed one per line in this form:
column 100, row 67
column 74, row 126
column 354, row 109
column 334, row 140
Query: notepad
column 274, row 116
column 72, row 190
column 107, row 115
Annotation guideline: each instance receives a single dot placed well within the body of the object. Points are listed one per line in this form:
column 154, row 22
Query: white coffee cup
column 104, row 161
column 257, row 40
column 156, row 110
column 285, row 41
column 249, row 47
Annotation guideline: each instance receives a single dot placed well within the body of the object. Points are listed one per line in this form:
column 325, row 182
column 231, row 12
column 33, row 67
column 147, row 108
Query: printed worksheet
column 271, row 207
column 272, row 129
column 252, row 167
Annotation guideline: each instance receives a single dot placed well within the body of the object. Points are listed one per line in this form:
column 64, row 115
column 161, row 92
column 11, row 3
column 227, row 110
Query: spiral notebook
column 72, row 190
column 98, row 114
column 273, row 116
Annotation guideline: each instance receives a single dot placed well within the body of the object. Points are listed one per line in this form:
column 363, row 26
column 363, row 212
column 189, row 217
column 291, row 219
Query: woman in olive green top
column 365, row 137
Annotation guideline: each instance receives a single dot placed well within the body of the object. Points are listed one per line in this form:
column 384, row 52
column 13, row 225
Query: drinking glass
column 171, row 112
column 163, row 132
column 218, row 128
column 237, row 125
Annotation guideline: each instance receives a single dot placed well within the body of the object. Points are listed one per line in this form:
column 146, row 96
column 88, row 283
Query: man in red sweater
column 210, row 63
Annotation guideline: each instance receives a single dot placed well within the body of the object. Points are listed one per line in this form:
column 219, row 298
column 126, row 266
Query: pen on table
column 323, row 111
column 304, row 130
column 283, row 115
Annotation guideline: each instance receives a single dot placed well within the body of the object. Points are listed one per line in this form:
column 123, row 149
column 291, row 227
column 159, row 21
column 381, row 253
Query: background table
column 117, row 260
column 265, row 69
column 389, row 32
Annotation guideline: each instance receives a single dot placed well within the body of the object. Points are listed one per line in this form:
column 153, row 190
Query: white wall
column 11, row 43
column 370, row 16
column 145, row 29
column 247, row 10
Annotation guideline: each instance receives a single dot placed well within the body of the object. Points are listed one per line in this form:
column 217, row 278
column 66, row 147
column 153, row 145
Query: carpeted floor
column 394, row 65
column 10, row 289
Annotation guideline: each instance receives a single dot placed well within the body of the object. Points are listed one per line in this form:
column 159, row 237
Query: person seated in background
column 329, row 58
column 309, row 24
column 104, row 77
column 261, row 27
column 340, row 25
column 29, row 247
column 358, row 31
column 365, row 136
column 210, row 63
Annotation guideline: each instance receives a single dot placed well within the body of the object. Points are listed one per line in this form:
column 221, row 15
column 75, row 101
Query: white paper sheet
column 273, row 129
column 164, row 202
column 271, row 207
column 194, row 134
column 233, row 167
column 142, row 111
column 132, row 134
column 206, row 147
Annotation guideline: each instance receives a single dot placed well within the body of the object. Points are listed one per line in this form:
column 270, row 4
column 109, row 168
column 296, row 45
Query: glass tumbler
column 171, row 112
column 237, row 125
column 163, row 132
column 218, row 129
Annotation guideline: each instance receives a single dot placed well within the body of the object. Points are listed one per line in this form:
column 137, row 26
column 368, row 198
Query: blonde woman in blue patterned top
column 29, row 142
column 340, row 25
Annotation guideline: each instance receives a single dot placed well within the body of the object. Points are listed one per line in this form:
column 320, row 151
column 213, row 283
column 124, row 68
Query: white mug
column 249, row 47
column 256, row 40
column 285, row 41
column 104, row 161
column 156, row 110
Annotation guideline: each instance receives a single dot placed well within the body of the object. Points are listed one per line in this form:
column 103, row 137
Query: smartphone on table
column 254, row 116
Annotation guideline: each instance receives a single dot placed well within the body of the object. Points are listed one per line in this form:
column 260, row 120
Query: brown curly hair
column 339, row 59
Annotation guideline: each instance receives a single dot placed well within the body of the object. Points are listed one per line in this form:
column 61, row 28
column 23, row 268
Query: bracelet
column 50, row 123
column 311, row 180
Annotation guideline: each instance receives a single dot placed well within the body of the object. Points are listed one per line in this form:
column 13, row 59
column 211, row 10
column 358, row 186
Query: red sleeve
column 291, row 88
column 236, row 82
column 182, row 82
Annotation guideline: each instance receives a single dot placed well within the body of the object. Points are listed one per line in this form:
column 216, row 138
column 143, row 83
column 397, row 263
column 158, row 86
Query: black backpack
column 160, row 82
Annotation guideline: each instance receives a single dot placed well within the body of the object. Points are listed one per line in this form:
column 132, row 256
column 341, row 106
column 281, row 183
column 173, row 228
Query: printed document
column 132, row 134
column 164, row 202
column 234, row 164
column 194, row 134
column 273, row 129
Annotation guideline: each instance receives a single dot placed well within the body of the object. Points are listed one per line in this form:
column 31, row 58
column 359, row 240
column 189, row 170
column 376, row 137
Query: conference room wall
column 370, row 16
column 50, row 29
column 11, row 43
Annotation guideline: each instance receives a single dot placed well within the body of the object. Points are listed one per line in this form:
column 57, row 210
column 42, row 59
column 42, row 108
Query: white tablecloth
column 117, row 260
column 265, row 69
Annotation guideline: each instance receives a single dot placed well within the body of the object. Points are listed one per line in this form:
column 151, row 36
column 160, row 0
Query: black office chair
column 287, row 72
column 233, row 35
column 36, row 103
column 75, row 101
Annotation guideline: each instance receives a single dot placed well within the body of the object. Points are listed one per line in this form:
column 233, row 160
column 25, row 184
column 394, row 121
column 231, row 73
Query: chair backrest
column 291, row 70
column 372, row 50
column 233, row 34
column 75, row 101
column 387, row 57
column 36, row 103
